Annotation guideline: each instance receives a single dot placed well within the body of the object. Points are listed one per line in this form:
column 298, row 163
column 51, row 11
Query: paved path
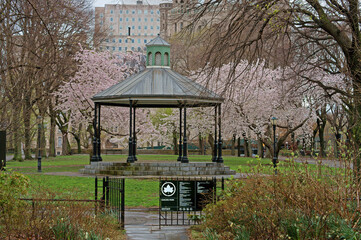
column 144, row 226
column 326, row 162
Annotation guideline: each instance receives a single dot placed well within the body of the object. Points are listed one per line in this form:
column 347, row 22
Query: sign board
column 185, row 195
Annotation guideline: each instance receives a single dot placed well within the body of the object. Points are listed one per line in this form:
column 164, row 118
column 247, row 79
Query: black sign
column 182, row 195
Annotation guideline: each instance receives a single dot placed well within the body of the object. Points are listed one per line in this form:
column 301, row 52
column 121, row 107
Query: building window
column 175, row 27
column 158, row 27
column 113, row 40
column 120, row 27
column 132, row 40
column 151, row 20
column 157, row 19
column 133, row 19
column 158, row 59
column 120, row 19
column 111, row 11
column 145, row 19
column 127, row 11
column 138, row 40
column 107, row 40
column 166, row 59
column 121, row 11
column 139, row 11
column 145, row 11
column 120, row 48
column 132, row 48
column 133, row 27
column 60, row 141
column 151, row 12
column 145, row 40
column 145, row 27
column 120, row 40
column 113, row 48
column 139, row 19
column 127, row 19
column 111, row 27
column 151, row 27
column 139, row 49
column 107, row 47
column 101, row 15
column 126, row 48
column 111, row 19
column 139, row 27
column 101, row 48
column 149, row 58
column 181, row 25
column 101, row 22
column 158, row 12
column 133, row 11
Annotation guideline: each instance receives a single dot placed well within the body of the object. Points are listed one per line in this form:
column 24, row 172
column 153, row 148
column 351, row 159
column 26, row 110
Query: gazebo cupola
column 158, row 53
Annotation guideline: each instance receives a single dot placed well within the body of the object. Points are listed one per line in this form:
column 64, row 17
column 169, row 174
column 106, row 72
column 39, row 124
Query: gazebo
column 158, row 86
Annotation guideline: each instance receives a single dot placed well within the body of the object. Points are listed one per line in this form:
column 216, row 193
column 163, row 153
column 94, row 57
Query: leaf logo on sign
column 168, row 189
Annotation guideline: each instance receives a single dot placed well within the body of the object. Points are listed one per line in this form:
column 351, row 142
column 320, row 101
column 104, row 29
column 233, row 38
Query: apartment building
column 129, row 26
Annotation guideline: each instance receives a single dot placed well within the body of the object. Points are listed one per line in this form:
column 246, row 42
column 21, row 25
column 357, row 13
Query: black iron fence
column 110, row 198
column 181, row 200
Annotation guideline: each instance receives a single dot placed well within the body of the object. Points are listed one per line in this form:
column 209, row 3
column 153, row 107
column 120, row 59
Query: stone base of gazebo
column 156, row 169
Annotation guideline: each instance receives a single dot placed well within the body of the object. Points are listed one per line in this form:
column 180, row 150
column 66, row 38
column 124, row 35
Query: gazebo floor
column 157, row 169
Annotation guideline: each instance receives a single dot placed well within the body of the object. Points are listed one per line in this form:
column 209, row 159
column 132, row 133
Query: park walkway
column 141, row 225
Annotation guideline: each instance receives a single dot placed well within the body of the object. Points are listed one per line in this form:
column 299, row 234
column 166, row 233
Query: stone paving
column 144, row 225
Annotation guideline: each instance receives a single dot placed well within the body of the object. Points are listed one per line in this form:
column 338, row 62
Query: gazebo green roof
column 158, row 85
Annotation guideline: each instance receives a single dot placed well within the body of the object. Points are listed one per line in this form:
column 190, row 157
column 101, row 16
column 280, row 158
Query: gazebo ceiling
column 158, row 87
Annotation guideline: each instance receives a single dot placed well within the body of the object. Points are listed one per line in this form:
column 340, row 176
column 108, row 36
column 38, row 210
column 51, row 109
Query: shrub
column 301, row 203
column 21, row 219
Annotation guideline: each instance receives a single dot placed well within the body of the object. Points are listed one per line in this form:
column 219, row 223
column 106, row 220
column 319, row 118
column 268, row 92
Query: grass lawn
column 139, row 193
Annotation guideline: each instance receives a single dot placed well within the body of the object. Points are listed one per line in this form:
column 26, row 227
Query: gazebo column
column 185, row 143
column 134, row 138
column 94, row 156
column 130, row 158
column 219, row 159
column 214, row 154
column 180, row 137
column 99, row 157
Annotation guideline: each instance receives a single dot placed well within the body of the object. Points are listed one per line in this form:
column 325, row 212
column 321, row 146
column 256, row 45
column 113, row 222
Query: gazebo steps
column 156, row 169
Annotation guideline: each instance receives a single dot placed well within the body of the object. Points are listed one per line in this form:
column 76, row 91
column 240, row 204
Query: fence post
column 107, row 192
column 96, row 195
column 122, row 204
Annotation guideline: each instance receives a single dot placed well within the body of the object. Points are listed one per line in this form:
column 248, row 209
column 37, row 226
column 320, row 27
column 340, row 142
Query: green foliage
column 13, row 185
column 300, row 202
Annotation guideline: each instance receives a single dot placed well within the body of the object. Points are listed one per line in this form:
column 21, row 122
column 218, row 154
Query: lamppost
column 274, row 124
column 39, row 143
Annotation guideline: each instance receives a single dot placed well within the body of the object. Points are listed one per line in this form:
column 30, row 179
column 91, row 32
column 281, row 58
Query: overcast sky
column 101, row 3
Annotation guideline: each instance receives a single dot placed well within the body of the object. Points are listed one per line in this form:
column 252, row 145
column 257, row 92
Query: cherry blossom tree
column 256, row 93
column 96, row 72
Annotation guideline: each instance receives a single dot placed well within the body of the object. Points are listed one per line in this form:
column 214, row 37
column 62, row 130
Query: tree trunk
column 175, row 143
column 27, row 134
column 321, row 131
column 233, row 147
column 211, row 142
column 260, row 148
column 65, row 150
column 52, row 149
column 17, row 138
column 201, row 145
column 43, row 140
column 246, row 146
